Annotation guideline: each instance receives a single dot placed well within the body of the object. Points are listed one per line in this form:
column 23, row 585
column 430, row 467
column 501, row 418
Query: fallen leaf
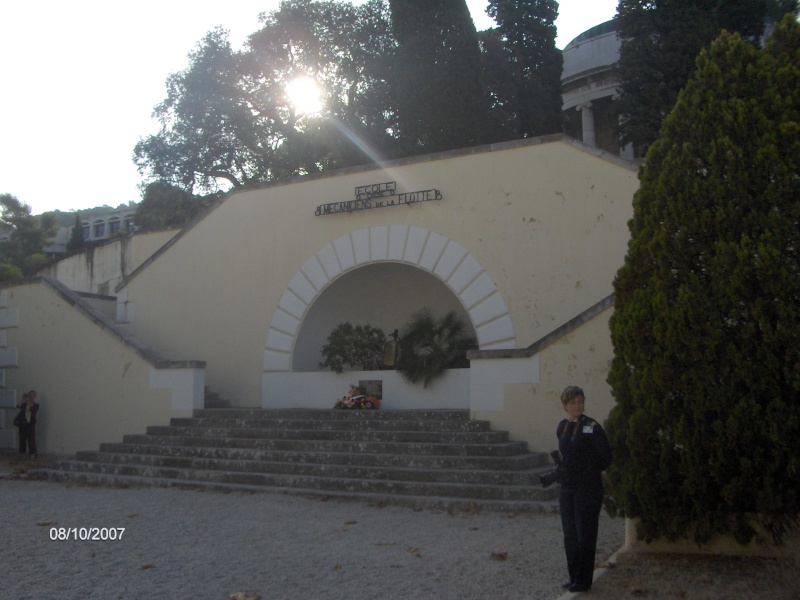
column 146, row 566
column 243, row 596
column 336, row 567
column 471, row 509
column 45, row 523
column 499, row 555
column 384, row 543
column 350, row 522
column 637, row 590
column 706, row 578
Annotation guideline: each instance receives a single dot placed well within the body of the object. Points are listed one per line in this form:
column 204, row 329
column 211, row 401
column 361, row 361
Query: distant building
column 104, row 226
column 590, row 84
column 95, row 229
column 58, row 243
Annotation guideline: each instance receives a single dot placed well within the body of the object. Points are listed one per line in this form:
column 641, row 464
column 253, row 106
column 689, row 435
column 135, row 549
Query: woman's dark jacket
column 586, row 454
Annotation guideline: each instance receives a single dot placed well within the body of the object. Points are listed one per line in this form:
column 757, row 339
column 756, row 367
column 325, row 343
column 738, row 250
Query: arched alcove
column 472, row 288
column 379, row 294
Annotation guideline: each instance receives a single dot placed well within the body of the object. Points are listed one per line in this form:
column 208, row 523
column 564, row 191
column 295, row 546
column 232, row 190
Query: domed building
column 590, row 84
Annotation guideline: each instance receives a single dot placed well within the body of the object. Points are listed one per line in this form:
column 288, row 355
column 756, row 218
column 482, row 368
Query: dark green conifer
column 438, row 77
column 532, row 92
column 76, row 241
column 706, row 328
column 660, row 42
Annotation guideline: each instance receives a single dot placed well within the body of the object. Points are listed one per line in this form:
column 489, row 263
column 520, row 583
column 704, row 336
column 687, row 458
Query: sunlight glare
column 305, row 96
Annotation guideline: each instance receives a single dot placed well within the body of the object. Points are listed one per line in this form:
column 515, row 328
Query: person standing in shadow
column 26, row 424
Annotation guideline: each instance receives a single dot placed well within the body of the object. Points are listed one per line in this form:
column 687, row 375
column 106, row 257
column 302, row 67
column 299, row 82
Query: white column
column 587, row 123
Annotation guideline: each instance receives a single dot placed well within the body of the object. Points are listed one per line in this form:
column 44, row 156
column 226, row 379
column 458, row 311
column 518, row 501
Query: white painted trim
column 9, row 317
column 432, row 252
column 187, row 388
column 488, row 379
column 8, row 357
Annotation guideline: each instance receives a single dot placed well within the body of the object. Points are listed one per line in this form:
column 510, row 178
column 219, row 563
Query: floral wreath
column 357, row 399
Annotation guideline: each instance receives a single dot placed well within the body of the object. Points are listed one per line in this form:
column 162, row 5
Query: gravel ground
column 181, row 544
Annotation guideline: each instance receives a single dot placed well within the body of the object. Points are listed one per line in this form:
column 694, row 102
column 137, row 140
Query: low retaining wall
column 322, row 389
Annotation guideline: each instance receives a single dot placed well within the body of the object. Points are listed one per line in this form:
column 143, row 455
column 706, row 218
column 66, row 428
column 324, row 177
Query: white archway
column 422, row 248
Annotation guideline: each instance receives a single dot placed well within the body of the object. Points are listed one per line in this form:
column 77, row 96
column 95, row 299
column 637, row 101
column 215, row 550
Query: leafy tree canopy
column 28, row 235
column 228, row 120
column 166, row 206
column 706, row 328
column 398, row 78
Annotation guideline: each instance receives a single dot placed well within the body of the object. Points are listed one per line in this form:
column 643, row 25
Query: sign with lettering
column 377, row 195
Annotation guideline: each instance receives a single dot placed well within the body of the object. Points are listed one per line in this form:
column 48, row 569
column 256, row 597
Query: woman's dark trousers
column 580, row 516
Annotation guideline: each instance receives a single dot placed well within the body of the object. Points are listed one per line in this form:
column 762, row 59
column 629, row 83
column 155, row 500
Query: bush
column 359, row 346
column 9, row 272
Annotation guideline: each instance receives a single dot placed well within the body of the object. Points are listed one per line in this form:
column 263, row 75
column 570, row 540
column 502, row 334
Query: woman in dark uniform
column 586, row 454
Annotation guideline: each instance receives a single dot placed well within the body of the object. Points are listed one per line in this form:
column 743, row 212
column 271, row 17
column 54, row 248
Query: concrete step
column 514, row 462
column 334, row 415
column 278, row 433
column 452, row 505
column 396, row 425
column 415, row 458
column 320, row 483
column 352, row 446
column 403, row 472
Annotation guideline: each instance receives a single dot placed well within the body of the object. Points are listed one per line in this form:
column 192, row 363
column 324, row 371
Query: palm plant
column 430, row 345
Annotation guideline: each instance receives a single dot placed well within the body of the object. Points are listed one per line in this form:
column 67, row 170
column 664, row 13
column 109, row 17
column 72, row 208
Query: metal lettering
column 366, row 193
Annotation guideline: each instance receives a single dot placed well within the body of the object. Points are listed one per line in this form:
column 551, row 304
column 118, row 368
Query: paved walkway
column 198, row 545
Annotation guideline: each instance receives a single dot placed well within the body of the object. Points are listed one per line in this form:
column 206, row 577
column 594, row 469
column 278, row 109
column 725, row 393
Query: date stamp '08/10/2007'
column 91, row 534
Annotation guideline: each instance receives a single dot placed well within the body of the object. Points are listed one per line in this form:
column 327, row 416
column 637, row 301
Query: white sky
column 80, row 80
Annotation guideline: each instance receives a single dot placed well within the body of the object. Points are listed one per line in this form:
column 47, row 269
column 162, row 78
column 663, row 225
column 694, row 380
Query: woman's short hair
column 572, row 392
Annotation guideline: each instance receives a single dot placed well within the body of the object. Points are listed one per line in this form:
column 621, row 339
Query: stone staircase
column 422, row 459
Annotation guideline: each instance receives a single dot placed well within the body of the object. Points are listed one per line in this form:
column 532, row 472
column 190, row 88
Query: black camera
column 551, row 477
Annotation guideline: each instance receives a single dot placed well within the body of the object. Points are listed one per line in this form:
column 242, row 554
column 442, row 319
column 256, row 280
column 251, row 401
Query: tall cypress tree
column 438, row 77
column 76, row 241
column 706, row 327
column 660, row 41
column 528, row 33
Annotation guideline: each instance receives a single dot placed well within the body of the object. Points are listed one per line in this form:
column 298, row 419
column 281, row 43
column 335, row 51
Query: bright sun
column 305, row 95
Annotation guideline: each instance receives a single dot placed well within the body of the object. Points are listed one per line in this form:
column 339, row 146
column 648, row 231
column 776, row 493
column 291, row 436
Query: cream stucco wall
column 530, row 408
column 545, row 220
column 99, row 269
column 92, row 387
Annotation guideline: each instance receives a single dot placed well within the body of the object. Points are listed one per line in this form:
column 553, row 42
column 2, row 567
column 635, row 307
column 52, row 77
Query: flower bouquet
column 356, row 399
